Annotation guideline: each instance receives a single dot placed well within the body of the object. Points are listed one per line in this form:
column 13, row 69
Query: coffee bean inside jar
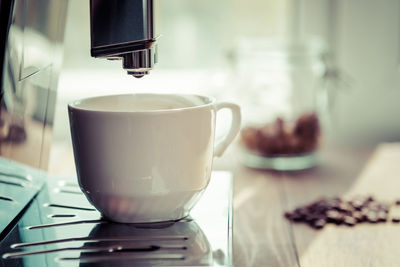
column 284, row 138
column 282, row 145
column 281, row 89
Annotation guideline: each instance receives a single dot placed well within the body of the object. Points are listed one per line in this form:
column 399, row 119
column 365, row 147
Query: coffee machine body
column 124, row 30
column 31, row 37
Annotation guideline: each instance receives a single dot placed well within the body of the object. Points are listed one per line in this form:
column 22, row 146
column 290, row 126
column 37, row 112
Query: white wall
column 365, row 37
column 369, row 51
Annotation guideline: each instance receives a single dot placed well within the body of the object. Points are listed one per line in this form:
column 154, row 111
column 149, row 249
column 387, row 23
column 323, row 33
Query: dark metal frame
column 6, row 7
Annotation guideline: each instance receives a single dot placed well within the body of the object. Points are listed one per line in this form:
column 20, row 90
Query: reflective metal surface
column 139, row 63
column 60, row 228
column 29, row 77
column 18, row 185
column 124, row 29
column 31, row 34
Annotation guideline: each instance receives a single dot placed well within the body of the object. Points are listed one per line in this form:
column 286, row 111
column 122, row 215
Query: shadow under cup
column 144, row 157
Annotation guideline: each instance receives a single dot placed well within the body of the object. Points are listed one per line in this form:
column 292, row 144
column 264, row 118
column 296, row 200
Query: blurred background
column 341, row 57
column 308, row 74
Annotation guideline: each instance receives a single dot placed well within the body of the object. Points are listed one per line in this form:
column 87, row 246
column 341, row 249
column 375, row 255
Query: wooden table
column 263, row 237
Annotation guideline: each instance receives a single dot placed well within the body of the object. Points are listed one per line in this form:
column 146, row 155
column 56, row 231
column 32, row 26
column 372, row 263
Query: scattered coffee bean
column 370, row 199
column 334, row 216
column 288, row 215
column 358, row 216
column 372, row 217
column 318, row 224
column 339, row 211
column 297, row 217
column 350, row 221
column 345, row 207
column 382, row 216
column 396, row 219
column 397, row 202
column 357, row 204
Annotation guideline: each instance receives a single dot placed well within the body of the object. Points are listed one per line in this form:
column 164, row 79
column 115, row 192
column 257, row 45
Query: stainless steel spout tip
column 139, row 63
column 138, row 74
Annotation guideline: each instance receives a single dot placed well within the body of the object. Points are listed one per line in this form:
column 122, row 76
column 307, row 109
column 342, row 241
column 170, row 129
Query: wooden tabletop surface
column 263, row 237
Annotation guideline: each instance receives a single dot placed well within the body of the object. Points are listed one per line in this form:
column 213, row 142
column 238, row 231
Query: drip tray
column 19, row 184
column 61, row 228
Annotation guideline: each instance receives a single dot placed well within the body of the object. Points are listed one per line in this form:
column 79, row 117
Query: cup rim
column 74, row 104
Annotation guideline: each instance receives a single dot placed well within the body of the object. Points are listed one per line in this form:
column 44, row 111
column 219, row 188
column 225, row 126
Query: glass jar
column 278, row 86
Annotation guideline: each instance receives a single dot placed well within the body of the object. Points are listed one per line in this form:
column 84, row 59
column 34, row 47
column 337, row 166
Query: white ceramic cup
column 146, row 157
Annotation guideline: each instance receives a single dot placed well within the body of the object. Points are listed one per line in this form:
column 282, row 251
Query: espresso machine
column 45, row 220
column 32, row 33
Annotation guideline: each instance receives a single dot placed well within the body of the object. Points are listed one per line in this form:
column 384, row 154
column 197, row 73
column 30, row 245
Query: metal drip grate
column 18, row 186
column 60, row 228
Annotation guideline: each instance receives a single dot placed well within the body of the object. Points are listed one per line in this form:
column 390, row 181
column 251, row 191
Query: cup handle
column 234, row 129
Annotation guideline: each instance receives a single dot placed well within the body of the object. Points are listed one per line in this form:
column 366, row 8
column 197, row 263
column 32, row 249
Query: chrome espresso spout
column 124, row 30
